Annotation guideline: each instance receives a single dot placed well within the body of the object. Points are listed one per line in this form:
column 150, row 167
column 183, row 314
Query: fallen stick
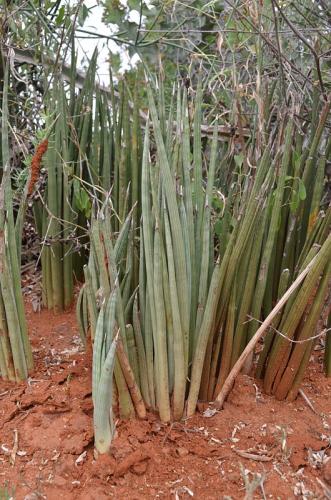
column 307, row 400
column 224, row 392
column 253, row 456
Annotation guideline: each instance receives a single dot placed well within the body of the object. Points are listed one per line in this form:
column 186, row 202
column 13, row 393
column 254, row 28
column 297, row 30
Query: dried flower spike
column 35, row 164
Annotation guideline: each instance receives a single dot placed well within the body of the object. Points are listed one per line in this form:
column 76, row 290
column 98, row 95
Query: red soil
column 202, row 457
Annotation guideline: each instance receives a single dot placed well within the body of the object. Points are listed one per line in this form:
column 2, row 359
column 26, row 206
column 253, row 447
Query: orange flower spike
column 35, row 164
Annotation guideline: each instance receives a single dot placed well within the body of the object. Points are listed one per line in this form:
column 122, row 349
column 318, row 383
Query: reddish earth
column 46, row 440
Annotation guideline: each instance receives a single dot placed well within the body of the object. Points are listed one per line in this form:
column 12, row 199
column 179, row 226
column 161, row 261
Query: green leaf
column 294, row 201
column 60, row 16
column 135, row 5
column 239, row 159
column 302, row 190
column 297, row 160
column 83, row 14
column 115, row 60
column 115, row 12
column 12, row 25
column 218, row 227
column 217, row 204
column 82, row 199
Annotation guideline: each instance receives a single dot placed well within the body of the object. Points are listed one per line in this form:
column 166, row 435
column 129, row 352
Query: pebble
column 182, row 452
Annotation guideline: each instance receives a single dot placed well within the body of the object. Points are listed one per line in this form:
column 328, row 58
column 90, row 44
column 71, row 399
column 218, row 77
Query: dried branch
column 305, row 42
column 221, row 397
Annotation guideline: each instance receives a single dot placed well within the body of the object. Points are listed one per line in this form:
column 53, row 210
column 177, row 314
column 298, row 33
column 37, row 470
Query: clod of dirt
column 234, row 477
column 87, row 406
column 59, row 482
column 120, row 449
column 200, row 450
column 297, row 460
column 104, row 467
column 133, row 441
column 130, row 461
column 30, row 400
column 243, row 393
column 140, row 468
column 95, row 493
column 11, row 411
column 66, row 468
column 327, row 471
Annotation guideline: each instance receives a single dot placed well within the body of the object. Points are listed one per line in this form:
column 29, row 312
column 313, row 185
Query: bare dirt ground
column 46, row 439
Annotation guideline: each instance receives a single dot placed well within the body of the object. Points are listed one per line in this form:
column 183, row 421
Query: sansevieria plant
column 15, row 351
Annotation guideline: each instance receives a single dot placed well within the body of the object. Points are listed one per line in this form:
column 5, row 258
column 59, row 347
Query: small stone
column 156, row 427
column 182, row 452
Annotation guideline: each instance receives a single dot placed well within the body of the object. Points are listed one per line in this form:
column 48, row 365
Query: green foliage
column 223, row 41
column 82, row 199
column 170, row 23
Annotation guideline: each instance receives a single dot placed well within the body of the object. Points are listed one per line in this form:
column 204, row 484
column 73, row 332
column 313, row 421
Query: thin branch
column 308, row 339
column 266, row 39
column 140, row 21
column 305, row 42
column 282, row 77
